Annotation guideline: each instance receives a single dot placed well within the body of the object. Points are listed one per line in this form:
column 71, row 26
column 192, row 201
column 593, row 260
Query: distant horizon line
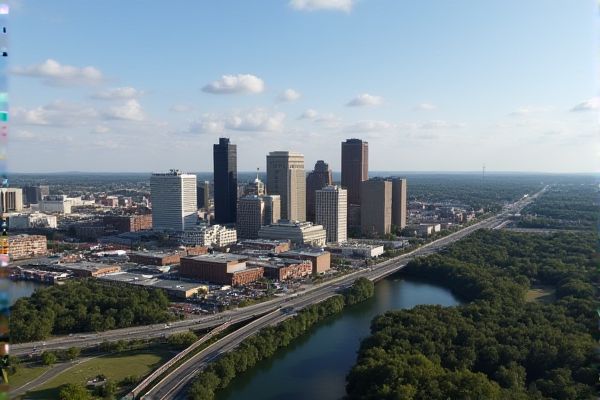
column 264, row 171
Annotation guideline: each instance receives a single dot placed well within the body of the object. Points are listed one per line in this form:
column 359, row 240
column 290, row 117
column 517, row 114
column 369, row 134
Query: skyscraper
column 376, row 211
column 331, row 212
column 285, row 177
column 256, row 187
column 355, row 167
column 399, row 202
column 174, row 203
column 315, row 180
column 225, row 178
column 11, row 199
column 254, row 212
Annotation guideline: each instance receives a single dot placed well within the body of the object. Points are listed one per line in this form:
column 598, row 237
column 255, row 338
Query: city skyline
column 431, row 87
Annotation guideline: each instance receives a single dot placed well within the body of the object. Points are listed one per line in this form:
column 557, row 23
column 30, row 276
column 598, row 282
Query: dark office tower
column 316, row 180
column 32, row 194
column 225, row 186
column 355, row 167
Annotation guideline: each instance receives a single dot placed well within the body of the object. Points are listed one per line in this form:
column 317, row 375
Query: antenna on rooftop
column 483, row 173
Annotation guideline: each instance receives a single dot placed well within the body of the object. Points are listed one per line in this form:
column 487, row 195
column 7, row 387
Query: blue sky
column 118, row 85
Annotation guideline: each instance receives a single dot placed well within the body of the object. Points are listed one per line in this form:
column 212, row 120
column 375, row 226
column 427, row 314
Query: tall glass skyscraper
column 225, row 181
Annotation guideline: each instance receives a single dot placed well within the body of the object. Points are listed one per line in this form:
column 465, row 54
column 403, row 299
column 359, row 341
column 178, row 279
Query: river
column 315, row 366
column 18, row 289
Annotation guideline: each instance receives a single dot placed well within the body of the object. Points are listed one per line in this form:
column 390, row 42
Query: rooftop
column 219, row 257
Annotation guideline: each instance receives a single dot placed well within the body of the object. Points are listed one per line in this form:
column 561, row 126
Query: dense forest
column 564, row 207
column 266, row 342
column 499, row 345
column 85, row 306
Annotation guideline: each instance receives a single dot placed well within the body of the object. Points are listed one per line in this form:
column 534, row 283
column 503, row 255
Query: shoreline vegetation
column 268, row 340
column 499, row 345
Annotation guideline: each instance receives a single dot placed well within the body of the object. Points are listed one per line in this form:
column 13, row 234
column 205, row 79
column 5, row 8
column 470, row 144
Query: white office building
column 56, row 203
column 211, row 236
column 33, row 220
column 331, row 211
column 286, row 178
column 174, row 204
column 299, row 233
column 11, row 199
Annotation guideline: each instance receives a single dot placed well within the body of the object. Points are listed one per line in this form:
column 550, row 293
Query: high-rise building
column 32, row 194
column 255, row 212
column 256, row 187
column 331, row 212
column 225, row 187
column 399, row 202
column 355, row 168
column 315, row 180
column 272, row 209
column 250, row 216
column 203, row 194
column 376, row 211
column 285, row 177
column 174, row 203
column 11, row 199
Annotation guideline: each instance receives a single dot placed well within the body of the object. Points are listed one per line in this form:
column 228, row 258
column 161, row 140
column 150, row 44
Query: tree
column 73, row 352
column 182, row 340
column 72, row 391
column 49, row 358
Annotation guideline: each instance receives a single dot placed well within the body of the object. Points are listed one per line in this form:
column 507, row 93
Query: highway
column 175, row 385
column 313, row 294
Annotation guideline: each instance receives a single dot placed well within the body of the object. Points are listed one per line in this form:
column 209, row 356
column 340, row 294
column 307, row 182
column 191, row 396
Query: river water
column 18, row 289
column 315, row 366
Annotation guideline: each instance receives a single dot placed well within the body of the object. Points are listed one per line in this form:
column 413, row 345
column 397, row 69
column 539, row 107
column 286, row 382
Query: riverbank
column 268, row 340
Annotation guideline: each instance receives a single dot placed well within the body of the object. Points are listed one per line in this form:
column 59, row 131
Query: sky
column 432, row 85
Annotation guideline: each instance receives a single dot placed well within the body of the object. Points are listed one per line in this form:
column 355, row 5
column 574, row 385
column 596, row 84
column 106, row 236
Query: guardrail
column 154, row 375
column 255, row 322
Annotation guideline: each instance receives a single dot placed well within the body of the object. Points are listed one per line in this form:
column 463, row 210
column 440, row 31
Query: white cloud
column 313, row 5
column 101, row 129
column 439, row 124
column 54, row 73
column 289, row 95
column 588, row 105
column 57, row 113
column 425, row 107
column 181, row 108
column 120, row 93
column 309, row 114
column 130, row 111
column 230, row 84
column 528, row 110
column 365, row 99
column 369, row 126
column 256, row 120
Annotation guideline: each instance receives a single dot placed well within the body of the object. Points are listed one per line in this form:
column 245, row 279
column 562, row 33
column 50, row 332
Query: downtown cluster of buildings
column 307, row 209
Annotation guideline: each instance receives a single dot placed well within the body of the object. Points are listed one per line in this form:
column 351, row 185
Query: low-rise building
column 220, row 268
column 272, row 246
column 299, row 233
column 282, row 269
column 356, row 249
column 320, row 260
column 31, row 220
column 211, row 236
column 154, row 258
column 58, row 203
column 85, row 269
column 128, row 223
column 174, row 288
column 27, row 246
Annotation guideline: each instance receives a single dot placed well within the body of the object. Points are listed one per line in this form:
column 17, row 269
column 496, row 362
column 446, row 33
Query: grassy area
column 26, row 374
column 116, row 367
column 541, row 294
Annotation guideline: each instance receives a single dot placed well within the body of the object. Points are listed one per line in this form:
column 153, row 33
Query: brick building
column 26, row 246
column 282, row 269
column 128, row 223
column 220, row 268
column 321, row 260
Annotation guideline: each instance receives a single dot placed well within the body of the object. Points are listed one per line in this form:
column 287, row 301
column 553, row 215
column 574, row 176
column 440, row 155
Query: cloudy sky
column 432, row 85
